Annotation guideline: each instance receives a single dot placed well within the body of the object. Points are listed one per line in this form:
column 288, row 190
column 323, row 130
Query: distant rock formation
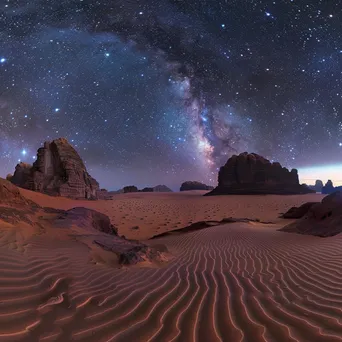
column 146, row 190
column 323, row 219
column 130, row 188
column 161, row 188
column 329, row 188
column 254, row 174
column 58, row 171
column 194, row 185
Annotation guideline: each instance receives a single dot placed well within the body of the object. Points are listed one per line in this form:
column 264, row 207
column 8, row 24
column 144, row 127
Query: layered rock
column 58, row 171
column 253, row 174
column 194, row 185
column 322, row 219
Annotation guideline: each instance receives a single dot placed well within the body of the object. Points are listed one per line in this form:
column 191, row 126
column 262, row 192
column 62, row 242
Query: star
column 2, row 60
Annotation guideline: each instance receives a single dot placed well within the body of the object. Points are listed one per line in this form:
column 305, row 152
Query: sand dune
column 228, row 283
column 236, row 282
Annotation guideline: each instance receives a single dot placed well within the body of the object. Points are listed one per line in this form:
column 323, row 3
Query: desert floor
column 233, row 282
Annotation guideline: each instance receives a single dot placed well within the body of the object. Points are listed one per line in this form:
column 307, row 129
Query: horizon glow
column 309, row 175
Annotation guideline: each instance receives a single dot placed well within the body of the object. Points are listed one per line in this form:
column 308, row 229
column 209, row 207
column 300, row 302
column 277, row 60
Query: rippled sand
column 235, row 282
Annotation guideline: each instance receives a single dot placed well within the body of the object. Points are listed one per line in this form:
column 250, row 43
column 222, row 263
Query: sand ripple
column 227, row 283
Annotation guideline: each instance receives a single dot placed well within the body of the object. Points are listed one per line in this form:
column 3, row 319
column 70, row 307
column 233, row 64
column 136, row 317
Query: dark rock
column 86, row 218
column 161, row 188
column 323, row 219
column 58, row 171
column 329, row 188
column 298, row 212
column 193, row 185
column 253, row 174
column 130, row 188
column 146, row 190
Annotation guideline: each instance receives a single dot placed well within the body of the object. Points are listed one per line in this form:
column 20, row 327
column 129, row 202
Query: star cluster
column 165, row 91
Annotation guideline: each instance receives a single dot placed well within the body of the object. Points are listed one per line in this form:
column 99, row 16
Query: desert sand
column 233, row 282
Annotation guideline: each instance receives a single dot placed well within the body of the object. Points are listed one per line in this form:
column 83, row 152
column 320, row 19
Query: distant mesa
column 57, row 171
column 194, row 185
column 250, row 173
column 329, row 188
column 322, row 219
column 161, row 188
column 130, row 188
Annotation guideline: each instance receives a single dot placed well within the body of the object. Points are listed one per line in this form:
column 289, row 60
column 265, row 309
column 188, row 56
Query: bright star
column 107, row 54
column 23, row 152
column 2, row 60
column 57, row 110
column 223, row 25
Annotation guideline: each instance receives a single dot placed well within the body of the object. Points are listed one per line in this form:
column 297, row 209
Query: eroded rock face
column 58, row 171
column 323, row 219
column 193, row 185
column 250, row 173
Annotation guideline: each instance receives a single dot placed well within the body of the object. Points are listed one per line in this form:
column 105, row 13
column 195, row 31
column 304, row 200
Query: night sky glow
column 162, row 91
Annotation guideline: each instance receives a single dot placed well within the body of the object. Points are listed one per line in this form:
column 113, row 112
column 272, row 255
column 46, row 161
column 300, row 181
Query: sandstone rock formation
column 253, row 174
column 130, row 188
column 58, row 171
column 194, row 185
column 146, row 190
column 329, row 188
column 323, row 219
column 161, row 188
column 298, row 212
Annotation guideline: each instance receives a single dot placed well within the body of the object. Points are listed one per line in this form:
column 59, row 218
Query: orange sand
column 236, row 282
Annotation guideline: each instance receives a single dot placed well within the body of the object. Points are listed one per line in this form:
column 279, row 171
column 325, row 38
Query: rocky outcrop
column 254, row 174
column 329, row 188
column 58, row 171
column 193, row 185
column 161, row 188
column 130, row 188
column 298, row 212
column 146, row 190
column 323, row 219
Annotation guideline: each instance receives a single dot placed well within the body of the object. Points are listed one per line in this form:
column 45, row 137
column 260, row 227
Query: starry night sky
column 162, row 91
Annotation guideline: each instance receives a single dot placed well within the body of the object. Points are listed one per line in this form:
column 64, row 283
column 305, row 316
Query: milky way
column 165, row 91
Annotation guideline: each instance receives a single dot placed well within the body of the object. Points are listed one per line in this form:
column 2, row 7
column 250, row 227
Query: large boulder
column 250, row 173
column 193, row 185
column 58, row 171
column 323, row 219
